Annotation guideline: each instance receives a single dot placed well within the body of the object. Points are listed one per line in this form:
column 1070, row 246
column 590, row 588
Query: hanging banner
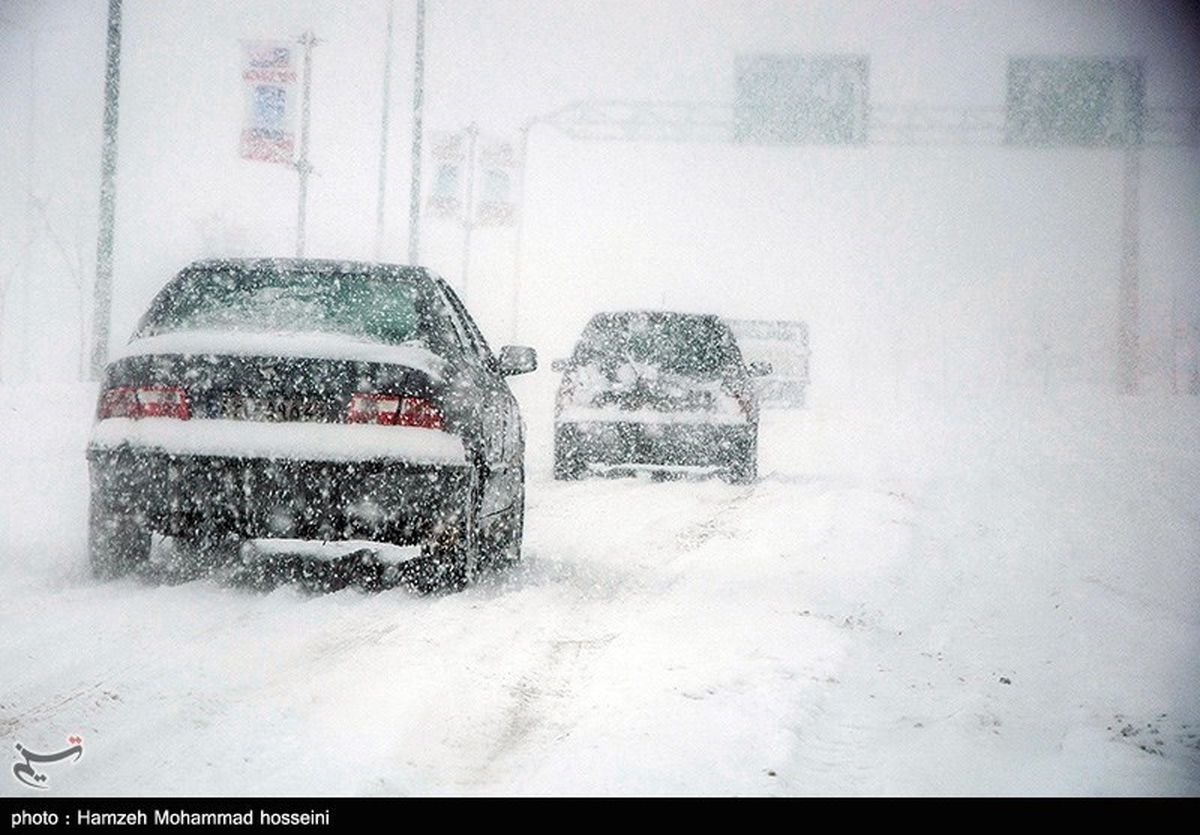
column 445, row 195
column 494, row 163
column 497, row 163
column 269, row 75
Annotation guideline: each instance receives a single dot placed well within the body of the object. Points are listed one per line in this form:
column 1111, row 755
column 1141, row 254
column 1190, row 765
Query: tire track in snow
column 564, row 705
column 544, row 697
column 539, row 697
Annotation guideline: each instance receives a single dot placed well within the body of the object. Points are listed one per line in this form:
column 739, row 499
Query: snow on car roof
column 309, row 265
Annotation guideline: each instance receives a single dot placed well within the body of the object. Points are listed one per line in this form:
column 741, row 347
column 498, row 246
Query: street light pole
column 1127, row 332
column 102, row 312
column 383, row 132
column 414, row 194
column 469, row 206
column 303, row 166
column 519, row 232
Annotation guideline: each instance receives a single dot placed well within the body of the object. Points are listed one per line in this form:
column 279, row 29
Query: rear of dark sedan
column 658, row 391
column 281, row 400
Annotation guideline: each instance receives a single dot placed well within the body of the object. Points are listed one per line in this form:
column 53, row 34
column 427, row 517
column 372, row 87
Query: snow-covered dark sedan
column 656, row 391
column 309, row 400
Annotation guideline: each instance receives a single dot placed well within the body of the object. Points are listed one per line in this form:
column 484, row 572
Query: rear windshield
column 698, row 346
column 384, row 309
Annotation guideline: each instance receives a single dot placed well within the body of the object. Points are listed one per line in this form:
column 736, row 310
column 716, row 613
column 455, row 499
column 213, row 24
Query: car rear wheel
column 504, row 546
column 117, row 542
column 450, row 561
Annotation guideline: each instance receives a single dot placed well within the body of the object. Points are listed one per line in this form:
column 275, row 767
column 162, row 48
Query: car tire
column 450, row 561
column 504, row 549
column 118, row 543
column 743, row 469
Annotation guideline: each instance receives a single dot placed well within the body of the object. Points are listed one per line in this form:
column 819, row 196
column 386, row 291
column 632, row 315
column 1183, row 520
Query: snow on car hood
column 281, row 344
column 290, row 441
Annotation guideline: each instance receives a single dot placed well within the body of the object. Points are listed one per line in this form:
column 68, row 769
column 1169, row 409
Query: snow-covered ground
column 993, row 596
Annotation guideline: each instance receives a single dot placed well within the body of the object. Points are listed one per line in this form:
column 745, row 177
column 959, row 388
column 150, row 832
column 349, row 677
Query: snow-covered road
column 979, row 598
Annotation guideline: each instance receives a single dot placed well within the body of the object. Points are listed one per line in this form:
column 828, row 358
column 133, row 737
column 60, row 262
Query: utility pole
column 414, row 194
column 383, row 132
column 27, row 247
column 469, row 206
column 1127, row 333
column 303, row 166
column 519, row 232
column 102, row 312
column 30, row 199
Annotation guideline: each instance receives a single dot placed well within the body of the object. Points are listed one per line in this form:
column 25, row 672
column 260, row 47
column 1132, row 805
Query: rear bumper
column 653, row 444
column 182, row 494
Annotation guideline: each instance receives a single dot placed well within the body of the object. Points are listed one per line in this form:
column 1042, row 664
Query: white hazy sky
column 1014, row 249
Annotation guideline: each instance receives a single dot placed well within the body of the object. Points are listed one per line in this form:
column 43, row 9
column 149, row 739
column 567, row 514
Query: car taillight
column 746, row 402
column 393, row 410
column 144, row 401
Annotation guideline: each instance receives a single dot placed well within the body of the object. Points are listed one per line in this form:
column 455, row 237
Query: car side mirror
column 559, row 366
column 517, row 359
column 759, row 369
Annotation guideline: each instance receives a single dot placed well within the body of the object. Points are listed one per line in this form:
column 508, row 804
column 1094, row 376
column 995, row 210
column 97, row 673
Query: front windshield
column 380, row 309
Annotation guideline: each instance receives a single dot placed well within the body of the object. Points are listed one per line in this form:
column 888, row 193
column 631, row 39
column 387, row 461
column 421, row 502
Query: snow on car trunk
column 289, row 441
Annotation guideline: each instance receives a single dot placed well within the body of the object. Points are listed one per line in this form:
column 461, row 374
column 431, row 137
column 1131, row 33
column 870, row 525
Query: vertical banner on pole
column 445, row 195
column 269, row 73
column 495, row 167
column 497, row 163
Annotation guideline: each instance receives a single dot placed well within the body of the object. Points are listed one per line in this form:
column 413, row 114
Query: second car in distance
column 658, row 391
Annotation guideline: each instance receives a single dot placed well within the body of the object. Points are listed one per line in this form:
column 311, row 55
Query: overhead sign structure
column 269, row 73
column 1075, row 101
column 801, row 99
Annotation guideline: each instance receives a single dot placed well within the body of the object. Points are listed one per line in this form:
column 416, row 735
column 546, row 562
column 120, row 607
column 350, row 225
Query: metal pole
column 1174, row 349
column 102, row 312
column 469, row 207
column 519, row 232
column 1194, row 375
column 1127, row 331
column 30, row 174
column 303, row 167
column 414, row 194
column 383, row 132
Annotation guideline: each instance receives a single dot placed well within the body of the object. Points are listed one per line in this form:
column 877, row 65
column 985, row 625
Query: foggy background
column 925, row 269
